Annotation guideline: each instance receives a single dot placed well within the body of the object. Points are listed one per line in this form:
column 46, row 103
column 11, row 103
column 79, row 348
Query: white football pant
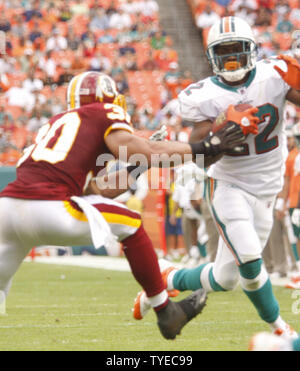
column 244, row 221
column 28, row 223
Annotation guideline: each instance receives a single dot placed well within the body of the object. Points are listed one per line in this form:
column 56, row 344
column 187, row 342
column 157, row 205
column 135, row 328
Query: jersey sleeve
column 194, row 105
column 116, row 119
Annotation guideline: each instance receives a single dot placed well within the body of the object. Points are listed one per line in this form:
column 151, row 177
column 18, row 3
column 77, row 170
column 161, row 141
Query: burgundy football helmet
column 91, row 87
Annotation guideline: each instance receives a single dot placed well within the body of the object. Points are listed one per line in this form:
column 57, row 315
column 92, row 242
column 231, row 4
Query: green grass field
column 70, row 308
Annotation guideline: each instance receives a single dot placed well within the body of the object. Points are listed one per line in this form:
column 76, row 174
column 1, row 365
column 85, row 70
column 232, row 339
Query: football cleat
column 293, row 285
column 265, row 342
column 295, row 279
column 175, row 316
column 165, row 275
column 142, row 304
column 287, row 333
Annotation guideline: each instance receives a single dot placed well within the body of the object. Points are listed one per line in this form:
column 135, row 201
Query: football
column 221, row 121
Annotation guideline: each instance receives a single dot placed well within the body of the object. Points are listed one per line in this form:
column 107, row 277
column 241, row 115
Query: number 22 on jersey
column 263, row 142
column 53, row 153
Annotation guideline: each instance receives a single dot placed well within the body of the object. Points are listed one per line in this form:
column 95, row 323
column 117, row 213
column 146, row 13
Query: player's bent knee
column 227, row 276
column 253, row 275
column 228, row 283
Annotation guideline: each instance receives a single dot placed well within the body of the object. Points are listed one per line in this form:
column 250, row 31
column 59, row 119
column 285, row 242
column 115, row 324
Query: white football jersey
column 259, row 169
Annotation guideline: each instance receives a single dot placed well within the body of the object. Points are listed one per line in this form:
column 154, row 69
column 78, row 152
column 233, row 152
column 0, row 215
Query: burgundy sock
column 143, row 262
column 160, row 307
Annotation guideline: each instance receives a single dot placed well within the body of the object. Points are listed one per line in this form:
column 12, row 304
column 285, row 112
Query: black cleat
column 176, row 315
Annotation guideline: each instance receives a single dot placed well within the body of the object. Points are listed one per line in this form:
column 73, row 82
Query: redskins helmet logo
column 106, row 87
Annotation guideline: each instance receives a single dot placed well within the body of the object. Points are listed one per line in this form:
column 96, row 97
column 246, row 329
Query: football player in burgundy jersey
column 38, row 208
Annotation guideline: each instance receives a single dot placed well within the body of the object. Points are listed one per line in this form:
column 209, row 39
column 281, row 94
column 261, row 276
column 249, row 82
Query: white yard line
column 96, row 262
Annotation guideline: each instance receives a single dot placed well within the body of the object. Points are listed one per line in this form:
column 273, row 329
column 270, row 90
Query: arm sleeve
column 193, row 107
column 116, row 118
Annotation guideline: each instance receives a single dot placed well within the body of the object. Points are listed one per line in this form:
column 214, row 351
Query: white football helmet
column 231, row 30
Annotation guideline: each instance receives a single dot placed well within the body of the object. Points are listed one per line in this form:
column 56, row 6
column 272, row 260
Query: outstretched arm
column 236, row 126
column 135, row 145
column 172, row 153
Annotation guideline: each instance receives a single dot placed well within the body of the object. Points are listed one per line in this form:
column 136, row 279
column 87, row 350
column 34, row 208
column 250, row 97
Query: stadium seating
column 145, row 87
column 24, row 56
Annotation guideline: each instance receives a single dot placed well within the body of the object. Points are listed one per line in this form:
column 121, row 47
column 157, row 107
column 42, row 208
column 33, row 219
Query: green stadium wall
column 7, row 175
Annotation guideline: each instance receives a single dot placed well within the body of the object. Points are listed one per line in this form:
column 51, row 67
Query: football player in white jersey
column 242, row 187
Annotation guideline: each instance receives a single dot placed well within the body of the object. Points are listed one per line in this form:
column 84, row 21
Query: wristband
column 201, row 148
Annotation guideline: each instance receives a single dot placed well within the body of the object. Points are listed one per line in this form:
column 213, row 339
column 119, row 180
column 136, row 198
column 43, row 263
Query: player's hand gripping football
column 247, row 120
column 238, row 125
column 292, row 76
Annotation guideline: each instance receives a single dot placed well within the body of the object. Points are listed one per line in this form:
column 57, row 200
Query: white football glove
column 159, row 135
column 296, row 217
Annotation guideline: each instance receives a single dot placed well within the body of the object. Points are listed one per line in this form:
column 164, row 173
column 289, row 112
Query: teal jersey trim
column 218, row 221
column 222, row 226
column 234, row 89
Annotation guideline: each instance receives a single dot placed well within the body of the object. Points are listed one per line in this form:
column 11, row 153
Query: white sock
column 278, row 324
column 160, row 299
column 171, row 275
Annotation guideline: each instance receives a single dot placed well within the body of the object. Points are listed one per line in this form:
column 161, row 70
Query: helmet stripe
column 72, row 93
column 81, row 77
column 227, row 24
column 232, row 24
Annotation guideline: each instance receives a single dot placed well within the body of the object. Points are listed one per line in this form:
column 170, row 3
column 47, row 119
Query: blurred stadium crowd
column 49, row 41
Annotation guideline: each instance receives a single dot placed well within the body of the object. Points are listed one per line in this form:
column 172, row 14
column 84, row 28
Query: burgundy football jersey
column 66, row 152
